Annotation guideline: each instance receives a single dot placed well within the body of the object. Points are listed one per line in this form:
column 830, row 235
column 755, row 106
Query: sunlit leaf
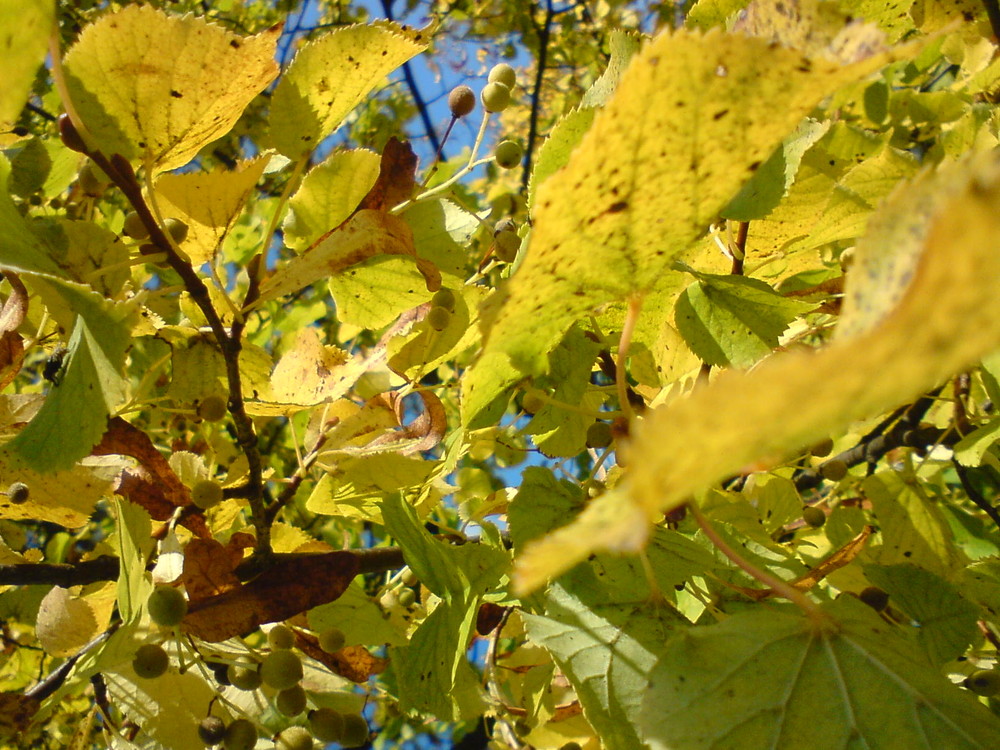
column 162, row 108
column 27, row 25
column 331, row 76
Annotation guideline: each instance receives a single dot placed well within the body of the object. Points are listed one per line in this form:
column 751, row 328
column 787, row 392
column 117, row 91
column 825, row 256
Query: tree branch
column 536, row 94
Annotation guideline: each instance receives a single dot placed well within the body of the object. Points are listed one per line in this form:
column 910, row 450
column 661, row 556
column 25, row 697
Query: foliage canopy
column 679, row 431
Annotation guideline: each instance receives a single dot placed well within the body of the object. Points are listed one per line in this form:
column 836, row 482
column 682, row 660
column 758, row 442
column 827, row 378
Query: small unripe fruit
column 502, row 73
column 506, row 245
column 495, row 97
column 408, row 577
column 332, row 640
column 18, row 493
column 822, row 448
column 504, row 225
column 291, row 702
column 983, row 682
column 177, row 230
column 571, row 746
column 206, row 493
column 294, row 738
column 281, row 636
column 834, row 470
column 212, row 408
column 70, row 136
column 243, row 676
column 211, row 730
column 813, row 516
column 167, row 606
column 133, row 226
column 599, row 435
column 444, row 298
column 438, row 318
column 461, row 101
column 92, row 180
column 508, row 154
column 532, row 402
column 327, row 725
column 406, row 597
column 355, row 731
column 874, row 597
column 150, row 661
column 240, row 735
column 281, row 669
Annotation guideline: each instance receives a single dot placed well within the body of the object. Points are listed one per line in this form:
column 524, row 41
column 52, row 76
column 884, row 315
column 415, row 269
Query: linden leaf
column 332, row 75
column 209, row 203
column 373, row 293
column 74, row 415
column 782, row 678
column 161, row 108
column 26, row 26
column 65, row 622
column 20, row 248
column 309, row 373
column 328, row 195
column 733, row 320
column 361, row 620
column 607, row 227
column 797, row 398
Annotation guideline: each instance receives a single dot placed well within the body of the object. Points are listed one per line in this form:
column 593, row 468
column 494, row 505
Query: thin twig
column 536, row 94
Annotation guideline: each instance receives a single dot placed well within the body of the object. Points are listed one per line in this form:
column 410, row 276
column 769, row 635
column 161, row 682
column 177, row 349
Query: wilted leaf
column 290, row 586
column 784, row 681
column 209, row 566
column 162, row 108
column 332, row 75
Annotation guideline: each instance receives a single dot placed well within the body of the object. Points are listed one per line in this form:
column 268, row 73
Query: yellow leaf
column 26, row 27
column 208, row 203
column 947, row 319
column 684, row 131
column 65, row 497
column 156, row 88
column 309, row 373
column 65, row 622
column 332, row 75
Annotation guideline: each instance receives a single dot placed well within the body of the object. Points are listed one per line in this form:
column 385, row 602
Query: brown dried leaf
column 292, row 585
column 209, row 566
column 354, row 663
column 16, row 712
column 397, row 178
column 424, row 432
column 11, row 317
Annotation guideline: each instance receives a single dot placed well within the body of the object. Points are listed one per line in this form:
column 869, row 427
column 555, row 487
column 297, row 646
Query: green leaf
column 969, row 451
column 135, row 542
column 374, row 292
column 944, row 622
column 542, row 503
column 360, row 619
column 606, row 650
column 20, row 249
column 162, row 108
column 788, row 683
column 331, row 76
column 27, row 25
column 328, row 195
column 622, row 47
column 608, row 225
column 734, row 320
column 555, row 151
column 361, row 482
column 708, row 13
column 74, row 416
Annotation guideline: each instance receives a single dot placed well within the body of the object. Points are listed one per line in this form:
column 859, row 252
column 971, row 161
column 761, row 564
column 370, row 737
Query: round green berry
column 834, row 470
column 327, row 725
column 874, row 597
column 294, row 738
column 240, row 735
column 281, row 669
column 406, row 597
column 502, row 73
column 212, row 730
column 438, row 318
column 206, row 493
column 167, row 606
column 355, row 731
column 533, row 402
column 93, row 180
column 291, row 702
column 332, row 640
column 177, row 230
column 243, row 676
column 444, row 298
column 822, row 449
column 495, row 97
column 134, row 226
column 18, row 493
column 212, row 408
column 984, row 682
column 506, row 245
column 461, row 101
column 813, row 516
column 281, row 636
column 150, row 661
column 599, row 435
column 508, row 154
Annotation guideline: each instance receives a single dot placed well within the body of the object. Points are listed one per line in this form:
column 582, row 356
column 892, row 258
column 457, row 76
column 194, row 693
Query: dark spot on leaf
column 755, row 166
column 720, row 114
column 234, row 44
column 176, row 94
column 618, row 207
column 908, row 553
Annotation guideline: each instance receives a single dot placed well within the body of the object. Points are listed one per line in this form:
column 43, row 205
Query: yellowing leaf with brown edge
column 948, row 318
column 209, row 203
column 156, row 88
column 309, row 373
column 63, row 497
column 331, row 76
column 683, row 132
